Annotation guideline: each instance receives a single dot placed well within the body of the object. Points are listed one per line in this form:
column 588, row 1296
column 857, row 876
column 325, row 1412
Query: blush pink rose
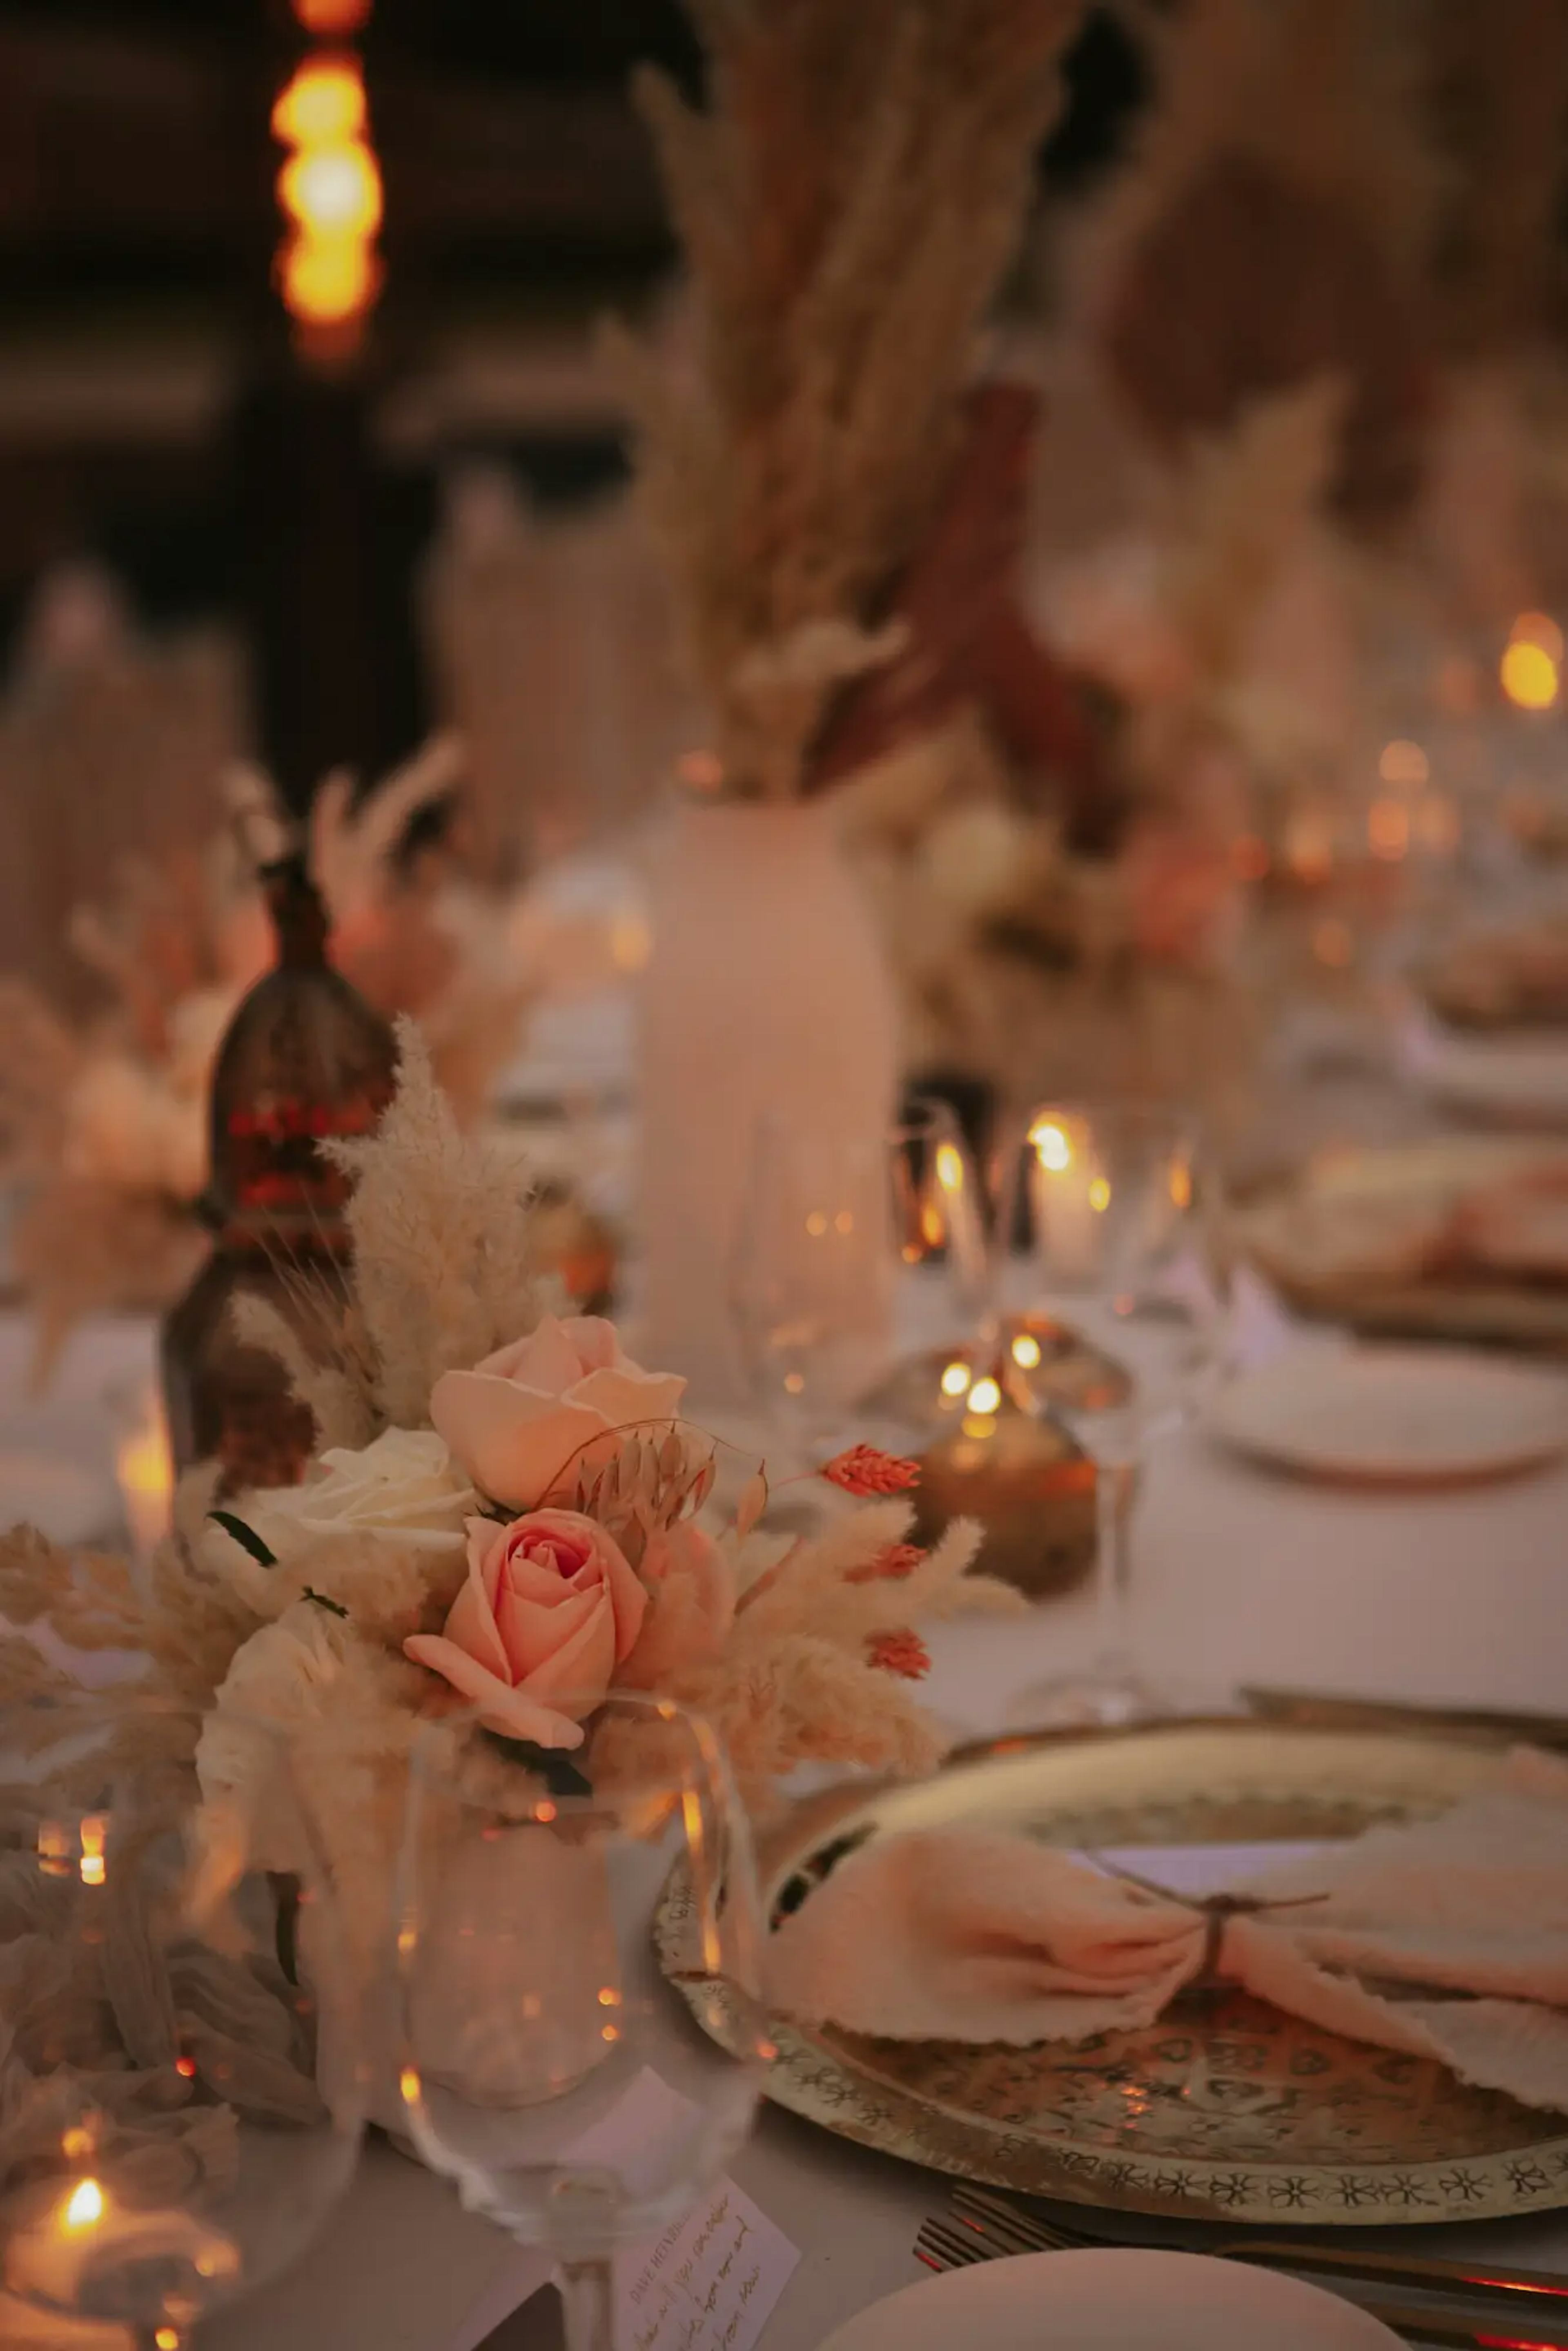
column 691, row 1607
column 519, row 1419
column 549, row 1610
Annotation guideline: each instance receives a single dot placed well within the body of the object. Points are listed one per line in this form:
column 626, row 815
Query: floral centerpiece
column 505, row 1512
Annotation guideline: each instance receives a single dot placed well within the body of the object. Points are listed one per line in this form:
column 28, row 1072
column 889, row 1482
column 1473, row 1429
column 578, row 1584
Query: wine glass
column 186, row 2084
column 851, row 1256
column 547, row 2066
column 1102, row 1218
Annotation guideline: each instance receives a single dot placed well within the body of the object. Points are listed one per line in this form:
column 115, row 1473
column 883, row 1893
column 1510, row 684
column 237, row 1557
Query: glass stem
column 1115, row 1484
column 587, row 2294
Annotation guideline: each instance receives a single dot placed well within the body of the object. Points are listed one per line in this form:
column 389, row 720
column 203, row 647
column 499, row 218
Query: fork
column 949, row 2245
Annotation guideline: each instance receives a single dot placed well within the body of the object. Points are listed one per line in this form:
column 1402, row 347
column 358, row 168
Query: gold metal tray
column 1225, row 2109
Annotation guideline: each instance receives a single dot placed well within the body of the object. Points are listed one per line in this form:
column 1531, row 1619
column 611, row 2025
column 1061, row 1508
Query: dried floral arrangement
column 847, row 204
column 1038, row 959
column 1274, row 223
column 103, row 1120
column 507, row 1511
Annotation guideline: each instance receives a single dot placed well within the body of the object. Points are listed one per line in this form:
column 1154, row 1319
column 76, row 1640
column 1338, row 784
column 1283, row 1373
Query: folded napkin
column 1448, row 1938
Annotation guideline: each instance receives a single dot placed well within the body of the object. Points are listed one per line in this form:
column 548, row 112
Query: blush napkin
column 1447, row 1939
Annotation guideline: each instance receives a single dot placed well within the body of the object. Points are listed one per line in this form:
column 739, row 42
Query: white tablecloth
column 1240, row 1576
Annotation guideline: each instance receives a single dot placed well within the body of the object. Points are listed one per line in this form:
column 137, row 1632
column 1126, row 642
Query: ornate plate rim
column 811, row 2079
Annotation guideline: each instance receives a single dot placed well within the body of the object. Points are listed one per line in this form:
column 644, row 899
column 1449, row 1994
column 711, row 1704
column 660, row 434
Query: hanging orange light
column 329, row 188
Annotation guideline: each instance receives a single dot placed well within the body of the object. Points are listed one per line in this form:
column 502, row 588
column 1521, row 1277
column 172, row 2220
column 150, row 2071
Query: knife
column 1325, row 1710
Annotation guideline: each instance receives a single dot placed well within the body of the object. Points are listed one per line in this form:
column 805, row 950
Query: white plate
column 1520, row 1078
column 1111, row 2300
column 1400, row 1414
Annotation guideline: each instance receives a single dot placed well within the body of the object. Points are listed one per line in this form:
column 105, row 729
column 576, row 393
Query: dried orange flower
column 904, row 1653
column 864, row 1470
column 889, row 1566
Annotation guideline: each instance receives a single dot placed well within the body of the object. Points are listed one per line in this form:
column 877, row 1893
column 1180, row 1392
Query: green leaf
column 336, row 1606
column 246, row 1537
column 550, row 1764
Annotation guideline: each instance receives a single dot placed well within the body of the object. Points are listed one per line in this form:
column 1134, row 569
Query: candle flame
column 1052, row 1146
column 1025, row 1351
column 949, row 1167
column 955, row 1379
column 84, row 2206
column 1099, row 1195
column 985, row 1397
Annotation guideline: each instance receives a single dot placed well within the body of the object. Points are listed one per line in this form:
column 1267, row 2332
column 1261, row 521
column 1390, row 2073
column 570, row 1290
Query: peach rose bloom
column 550, row 1608
column 518, row 1420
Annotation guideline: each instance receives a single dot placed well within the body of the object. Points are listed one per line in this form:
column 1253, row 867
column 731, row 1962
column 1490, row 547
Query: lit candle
column 86, row 2229
column 1068, row 1194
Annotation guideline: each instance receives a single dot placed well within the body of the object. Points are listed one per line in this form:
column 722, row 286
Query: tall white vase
column 766, row 996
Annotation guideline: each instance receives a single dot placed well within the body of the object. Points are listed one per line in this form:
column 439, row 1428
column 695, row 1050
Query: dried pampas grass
column 847, row 204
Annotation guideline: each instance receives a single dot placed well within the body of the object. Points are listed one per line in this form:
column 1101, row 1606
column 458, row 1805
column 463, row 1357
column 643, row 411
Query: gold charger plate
column 1224, row 2110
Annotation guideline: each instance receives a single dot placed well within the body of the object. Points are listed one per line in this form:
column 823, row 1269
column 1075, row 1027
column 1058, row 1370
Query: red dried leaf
column 903, row 1653
column 864, row 1470
column 889, row 1566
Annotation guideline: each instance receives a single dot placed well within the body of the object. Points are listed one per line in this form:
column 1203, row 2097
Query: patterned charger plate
column 1224, row 2110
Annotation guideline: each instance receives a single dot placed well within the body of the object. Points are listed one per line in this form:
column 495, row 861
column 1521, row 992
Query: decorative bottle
column 303, row 1058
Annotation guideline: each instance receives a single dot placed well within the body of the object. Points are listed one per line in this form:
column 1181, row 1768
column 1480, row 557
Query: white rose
column 125, row 1126
column 404, row 1489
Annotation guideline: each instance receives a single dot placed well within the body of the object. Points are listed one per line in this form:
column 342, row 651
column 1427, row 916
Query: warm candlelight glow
column 1539, row 629
column 1099, row 1194
column 323, row 105
column 955, row 1379
column 1404, row 763
column 407, row 2085
column 1026, row 1352
column 1051, row 1147
column 331, row 16
column 145, row 1472
column 1531, row 662
column 985, row 1397
column 94, row 1869
column 333, row 193
column 330, row 192
column 1309, row 844
column 84, row 2206
column 949, row 1167
column 1388, row 830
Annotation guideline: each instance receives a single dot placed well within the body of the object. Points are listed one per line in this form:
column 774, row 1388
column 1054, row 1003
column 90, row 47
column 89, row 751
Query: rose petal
column 509, row 1711
column 576, row 1677
column 471, row 1619
column 620, row 1395
column 596, row 1343
column 531, row 1635
column 545, row 1359
column 512, row 1442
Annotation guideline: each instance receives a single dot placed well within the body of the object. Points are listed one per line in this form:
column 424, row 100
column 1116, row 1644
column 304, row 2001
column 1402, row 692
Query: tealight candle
column 1067, row 1193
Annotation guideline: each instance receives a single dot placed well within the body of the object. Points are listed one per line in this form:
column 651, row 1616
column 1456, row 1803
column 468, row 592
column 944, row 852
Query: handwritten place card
column 708, row 2283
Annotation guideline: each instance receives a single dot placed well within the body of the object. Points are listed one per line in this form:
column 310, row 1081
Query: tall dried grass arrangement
column 847, row 204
